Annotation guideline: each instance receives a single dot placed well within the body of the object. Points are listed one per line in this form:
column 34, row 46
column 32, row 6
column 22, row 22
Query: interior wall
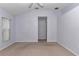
column 68, row 30
column 4, row 13
column 27, row 26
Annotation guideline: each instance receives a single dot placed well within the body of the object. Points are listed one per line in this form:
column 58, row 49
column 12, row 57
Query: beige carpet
column 35, row 49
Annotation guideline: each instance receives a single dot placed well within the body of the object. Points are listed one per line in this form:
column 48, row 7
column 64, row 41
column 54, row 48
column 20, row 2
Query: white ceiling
column 18, row 8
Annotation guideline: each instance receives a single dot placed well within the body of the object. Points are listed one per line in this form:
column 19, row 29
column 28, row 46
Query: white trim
column 51, row 40
column 68, row 49
column 1, row 48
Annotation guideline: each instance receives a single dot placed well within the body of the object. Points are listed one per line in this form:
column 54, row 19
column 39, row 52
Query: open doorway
column 42, row 29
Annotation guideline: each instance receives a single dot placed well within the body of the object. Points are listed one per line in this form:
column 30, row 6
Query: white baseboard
column 34, row 41
column 6, row 46
column 68, row 49
column 51, row 40
column 26, row 41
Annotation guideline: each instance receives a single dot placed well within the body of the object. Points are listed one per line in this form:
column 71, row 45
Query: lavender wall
column 4, row 13
column 27, row 26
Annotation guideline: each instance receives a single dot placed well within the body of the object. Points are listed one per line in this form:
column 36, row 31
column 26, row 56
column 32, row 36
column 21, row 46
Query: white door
column 42, row 28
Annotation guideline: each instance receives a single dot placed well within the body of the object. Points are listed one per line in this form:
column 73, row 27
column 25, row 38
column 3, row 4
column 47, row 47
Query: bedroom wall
column 27, row 26
column 4, row 13
column 68, row 30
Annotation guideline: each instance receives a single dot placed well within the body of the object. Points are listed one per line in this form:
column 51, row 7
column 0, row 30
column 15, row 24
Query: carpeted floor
column 35, row 49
